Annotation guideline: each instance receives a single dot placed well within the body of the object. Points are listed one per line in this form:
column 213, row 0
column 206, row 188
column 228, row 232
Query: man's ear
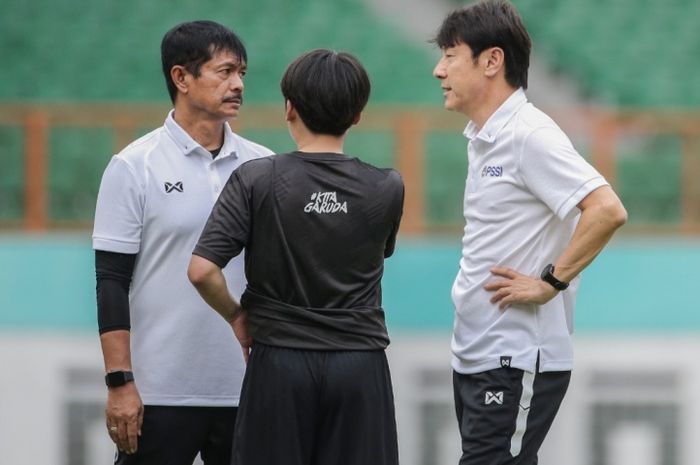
column 178, row 74
column 494, row 60
column 290, row 114
column 357, row 118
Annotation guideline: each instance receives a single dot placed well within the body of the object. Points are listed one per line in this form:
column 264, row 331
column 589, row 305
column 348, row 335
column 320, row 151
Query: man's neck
column 491, row 102
column 320, row 143
column 207, row 133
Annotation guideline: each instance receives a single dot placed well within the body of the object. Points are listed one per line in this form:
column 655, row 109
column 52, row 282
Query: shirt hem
column 520, row 363
column 556, row 365
column 480, row 367
column 111, row 245
column 575, row 198
column 211, row 256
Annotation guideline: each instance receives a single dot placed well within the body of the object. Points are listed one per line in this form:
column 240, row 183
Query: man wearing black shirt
column 316, row 226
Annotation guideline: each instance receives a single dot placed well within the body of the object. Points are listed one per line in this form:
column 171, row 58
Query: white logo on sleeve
column 325, row 202
column 492, row 397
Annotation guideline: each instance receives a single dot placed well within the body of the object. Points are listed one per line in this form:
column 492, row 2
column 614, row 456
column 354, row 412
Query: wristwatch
column 118, row 378
column 548, row 277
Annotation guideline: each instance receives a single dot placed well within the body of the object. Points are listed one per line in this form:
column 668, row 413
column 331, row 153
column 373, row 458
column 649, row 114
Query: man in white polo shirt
column 536, row 215
column 162, row 346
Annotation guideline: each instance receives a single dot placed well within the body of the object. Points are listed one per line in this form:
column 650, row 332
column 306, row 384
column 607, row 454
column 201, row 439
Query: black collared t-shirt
column 316, row 228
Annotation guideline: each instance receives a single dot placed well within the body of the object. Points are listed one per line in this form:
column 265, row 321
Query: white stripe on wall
column 516, row 441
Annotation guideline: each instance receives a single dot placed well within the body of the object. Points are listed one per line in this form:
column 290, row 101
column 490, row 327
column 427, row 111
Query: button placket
column 214, row 179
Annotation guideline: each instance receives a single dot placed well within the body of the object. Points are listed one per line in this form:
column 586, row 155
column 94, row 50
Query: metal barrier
column 602, row 128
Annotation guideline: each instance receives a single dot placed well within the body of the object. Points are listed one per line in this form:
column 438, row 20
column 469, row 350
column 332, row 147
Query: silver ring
column 113, row 429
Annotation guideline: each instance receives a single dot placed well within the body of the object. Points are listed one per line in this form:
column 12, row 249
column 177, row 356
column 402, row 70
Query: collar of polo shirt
column 498, row 119
column 189, row 145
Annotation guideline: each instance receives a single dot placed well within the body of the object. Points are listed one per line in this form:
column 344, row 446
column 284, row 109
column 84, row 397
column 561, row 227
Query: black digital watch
column 548, row 277
column 118, row 378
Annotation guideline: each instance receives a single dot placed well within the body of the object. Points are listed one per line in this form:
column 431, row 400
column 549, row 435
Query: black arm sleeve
column 113, row 272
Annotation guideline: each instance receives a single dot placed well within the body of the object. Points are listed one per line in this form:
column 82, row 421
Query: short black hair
column 328, row 89
column 192, row 44
column 486, row 24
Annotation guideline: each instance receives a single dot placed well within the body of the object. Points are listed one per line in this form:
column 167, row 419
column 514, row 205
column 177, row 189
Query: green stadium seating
column 620, row 52
column 109, row 51
column 103, row 50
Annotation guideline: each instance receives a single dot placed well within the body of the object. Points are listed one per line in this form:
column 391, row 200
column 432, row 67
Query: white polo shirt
column 154, row 199
column 523, row 184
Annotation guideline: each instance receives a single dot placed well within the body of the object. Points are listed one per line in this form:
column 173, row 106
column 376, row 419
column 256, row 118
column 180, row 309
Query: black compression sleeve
column 113, row 272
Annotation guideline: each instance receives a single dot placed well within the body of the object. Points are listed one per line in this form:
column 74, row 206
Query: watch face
column 118, row 378
column 548, row 277
column 545, row 272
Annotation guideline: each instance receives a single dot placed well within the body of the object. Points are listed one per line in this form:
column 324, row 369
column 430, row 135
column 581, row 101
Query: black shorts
column 505, row 414
column 175, row 435
column 306, row 407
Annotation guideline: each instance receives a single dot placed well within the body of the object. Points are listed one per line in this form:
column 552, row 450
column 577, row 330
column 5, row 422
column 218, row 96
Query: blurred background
column 82, row 79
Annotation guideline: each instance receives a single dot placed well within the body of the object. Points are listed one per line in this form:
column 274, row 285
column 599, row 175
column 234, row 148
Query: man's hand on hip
column 240, row 329
column 516, row 288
